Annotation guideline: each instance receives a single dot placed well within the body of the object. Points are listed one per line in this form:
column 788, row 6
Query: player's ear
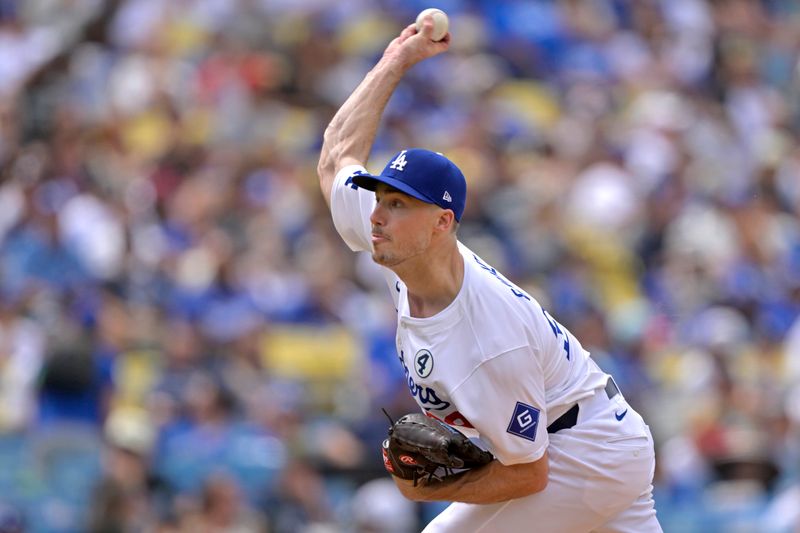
column 445, row 221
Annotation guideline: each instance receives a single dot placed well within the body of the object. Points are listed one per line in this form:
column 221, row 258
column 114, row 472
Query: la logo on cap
column 399, row 162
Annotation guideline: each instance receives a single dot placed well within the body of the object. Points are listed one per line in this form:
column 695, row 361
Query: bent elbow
column 531, row 487
column 324, row 169
column 538, row 478
column 540, row 484
column 543, row 474
column 326, row 164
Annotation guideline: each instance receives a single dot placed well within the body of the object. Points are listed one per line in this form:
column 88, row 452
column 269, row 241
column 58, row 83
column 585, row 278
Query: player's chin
column 384, row 259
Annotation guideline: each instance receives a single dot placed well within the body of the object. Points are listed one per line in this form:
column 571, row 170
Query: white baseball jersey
column 494, row 363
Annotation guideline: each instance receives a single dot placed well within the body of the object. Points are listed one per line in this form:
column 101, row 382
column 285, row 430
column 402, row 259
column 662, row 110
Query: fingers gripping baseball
column 413, row 45
column 408, row 31
column 440, row 22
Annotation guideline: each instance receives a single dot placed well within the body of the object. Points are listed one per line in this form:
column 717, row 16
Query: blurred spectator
column 378, row 507
column 11, row 520
column 300, row 501
column 223, row 509
column 75, row 383
column 21, row 356
column 130, row 496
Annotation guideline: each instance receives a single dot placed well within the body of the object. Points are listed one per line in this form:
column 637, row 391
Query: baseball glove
column 422, row 448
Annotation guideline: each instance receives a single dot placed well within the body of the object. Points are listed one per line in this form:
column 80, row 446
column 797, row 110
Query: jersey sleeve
column 504, row 399
column 351, row 208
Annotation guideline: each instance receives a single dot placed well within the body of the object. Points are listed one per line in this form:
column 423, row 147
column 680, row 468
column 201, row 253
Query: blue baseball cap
column 425, row 175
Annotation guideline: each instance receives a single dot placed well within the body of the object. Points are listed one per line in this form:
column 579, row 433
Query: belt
column 570, row 418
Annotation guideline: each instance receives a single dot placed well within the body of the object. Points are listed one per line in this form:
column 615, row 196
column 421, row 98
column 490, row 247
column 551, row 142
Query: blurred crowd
column 186, row 344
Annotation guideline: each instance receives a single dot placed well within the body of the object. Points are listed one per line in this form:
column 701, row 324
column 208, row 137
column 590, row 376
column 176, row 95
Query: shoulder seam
column 486, row 360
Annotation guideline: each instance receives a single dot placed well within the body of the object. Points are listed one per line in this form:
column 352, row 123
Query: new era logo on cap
column 425, row 175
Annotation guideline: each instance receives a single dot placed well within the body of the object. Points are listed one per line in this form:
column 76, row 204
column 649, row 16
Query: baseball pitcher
column 561, row 449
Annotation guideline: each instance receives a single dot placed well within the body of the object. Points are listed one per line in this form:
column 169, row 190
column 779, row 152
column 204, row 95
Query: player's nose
column 378, row 216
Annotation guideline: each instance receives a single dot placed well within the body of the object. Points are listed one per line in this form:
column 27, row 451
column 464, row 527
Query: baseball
column 440, row 22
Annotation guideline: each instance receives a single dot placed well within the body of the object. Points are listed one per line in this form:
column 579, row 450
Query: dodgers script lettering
column 426, row 395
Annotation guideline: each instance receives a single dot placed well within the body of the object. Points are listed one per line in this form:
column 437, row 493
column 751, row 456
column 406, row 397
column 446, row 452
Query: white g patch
column 524, row 420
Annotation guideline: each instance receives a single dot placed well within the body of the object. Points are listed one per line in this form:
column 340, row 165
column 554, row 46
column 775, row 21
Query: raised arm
column 349, row 136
